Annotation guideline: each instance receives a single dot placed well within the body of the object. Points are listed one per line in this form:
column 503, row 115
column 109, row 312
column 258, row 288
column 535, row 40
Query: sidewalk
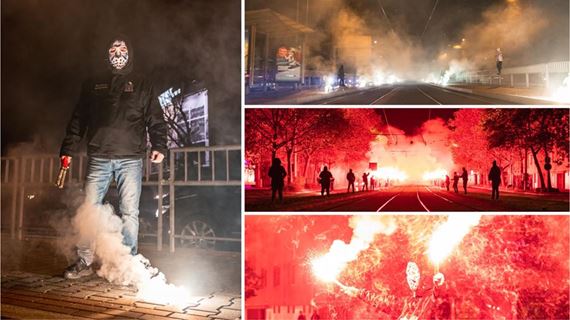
column 33, row 288
column 292, row 96
column 515, row 95
column 546, row 195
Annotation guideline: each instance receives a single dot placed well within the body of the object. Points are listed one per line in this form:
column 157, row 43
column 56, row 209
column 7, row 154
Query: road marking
column 382, row 97
column 423, row 205
column 380, row 209
column 437, row 195
column 468, row 96
column 427, row 95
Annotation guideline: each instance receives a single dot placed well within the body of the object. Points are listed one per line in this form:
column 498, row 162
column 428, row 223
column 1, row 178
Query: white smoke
column 365, row 228
column 98, row 225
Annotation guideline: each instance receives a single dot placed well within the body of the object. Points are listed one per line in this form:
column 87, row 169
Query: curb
column 506, row 97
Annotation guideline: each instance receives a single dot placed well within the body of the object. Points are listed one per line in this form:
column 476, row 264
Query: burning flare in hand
column 448, row 235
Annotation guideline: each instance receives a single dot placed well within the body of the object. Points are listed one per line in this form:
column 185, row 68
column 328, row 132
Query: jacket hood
column 129, row 67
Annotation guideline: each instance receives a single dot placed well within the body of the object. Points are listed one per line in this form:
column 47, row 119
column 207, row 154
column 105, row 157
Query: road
column 409, row 93
column 411, row 198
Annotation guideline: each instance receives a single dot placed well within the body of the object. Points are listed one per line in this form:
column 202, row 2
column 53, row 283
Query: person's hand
column 65, row 161
column 156, row 157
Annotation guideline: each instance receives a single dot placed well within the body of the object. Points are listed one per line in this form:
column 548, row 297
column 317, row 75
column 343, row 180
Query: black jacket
column 116, row 110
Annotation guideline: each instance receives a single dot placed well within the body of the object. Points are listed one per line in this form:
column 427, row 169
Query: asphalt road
column 411, row 198
column 410, row 93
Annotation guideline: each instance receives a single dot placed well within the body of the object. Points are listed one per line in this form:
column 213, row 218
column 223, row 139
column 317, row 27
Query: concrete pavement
column 33, row 288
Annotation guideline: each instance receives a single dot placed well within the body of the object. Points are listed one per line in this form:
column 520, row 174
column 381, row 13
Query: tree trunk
column 289, row 153
column 538, row 169
column 306, row 167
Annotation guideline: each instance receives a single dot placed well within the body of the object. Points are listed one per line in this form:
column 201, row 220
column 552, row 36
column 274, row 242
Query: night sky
column 50, row 47
column 411, row 120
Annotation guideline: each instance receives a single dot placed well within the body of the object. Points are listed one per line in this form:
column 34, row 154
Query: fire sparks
column 449, row 234
column 434, row 175
column 390, row 173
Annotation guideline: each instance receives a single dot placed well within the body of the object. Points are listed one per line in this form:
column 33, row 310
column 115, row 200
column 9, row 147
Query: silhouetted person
column 495, row 178
column 325, row 178
column 465, row 177
column 499, row 58
column 301, row 316
column 365, row 181
column 277, row 173
column 372, row 183
column 341, row 76
column 350, row 177
column 315, row 316
column 455, row 182
column 447, row 182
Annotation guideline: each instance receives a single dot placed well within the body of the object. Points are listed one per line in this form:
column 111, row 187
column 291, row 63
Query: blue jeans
column 128, row 175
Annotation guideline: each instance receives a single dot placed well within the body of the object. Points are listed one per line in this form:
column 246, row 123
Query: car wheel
column 199, row 229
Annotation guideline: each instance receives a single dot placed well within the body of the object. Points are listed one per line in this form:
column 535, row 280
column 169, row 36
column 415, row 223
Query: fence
column 195, row 166
column 546, row 75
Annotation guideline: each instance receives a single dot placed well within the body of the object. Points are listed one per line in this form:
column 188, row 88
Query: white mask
column 118, row 54
column 413, row 275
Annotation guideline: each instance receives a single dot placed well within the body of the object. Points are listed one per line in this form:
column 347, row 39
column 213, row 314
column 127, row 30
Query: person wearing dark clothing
column 301, row 316
column 365, row 181
column 495, row 178
column 455, row 182
column 315, row 316
column 447, row 182
column 116, row 110
column 341, row 76
column 465, row 177
column 277, row 173
column 350, row 177
column 372, row 183
column 325, row 178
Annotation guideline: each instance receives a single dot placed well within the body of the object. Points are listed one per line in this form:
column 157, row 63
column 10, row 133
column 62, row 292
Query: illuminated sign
column 288, row 64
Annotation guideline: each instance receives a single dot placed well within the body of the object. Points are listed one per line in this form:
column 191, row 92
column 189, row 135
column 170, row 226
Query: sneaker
column 78, row 270
column 153, row 272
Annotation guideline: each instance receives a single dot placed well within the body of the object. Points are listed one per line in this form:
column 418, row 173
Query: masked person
column 116, row 110
column 422, row 304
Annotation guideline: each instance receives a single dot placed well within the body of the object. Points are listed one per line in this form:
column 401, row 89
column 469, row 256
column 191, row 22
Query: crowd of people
column 369, row 182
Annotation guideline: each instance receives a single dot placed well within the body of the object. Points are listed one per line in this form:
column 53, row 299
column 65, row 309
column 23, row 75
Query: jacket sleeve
column 77, row 125
column 155, row 123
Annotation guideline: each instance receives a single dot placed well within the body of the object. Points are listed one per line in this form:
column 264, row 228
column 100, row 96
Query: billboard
column 288, row 64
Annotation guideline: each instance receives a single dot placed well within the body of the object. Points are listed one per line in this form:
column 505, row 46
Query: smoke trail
column 365, row 229
column 97, row 224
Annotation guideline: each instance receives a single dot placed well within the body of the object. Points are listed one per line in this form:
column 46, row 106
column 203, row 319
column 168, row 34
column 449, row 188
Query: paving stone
column 172, row 308
column 184, row 316
column 151, row 311
column 125, row 301
column 214, row 304
column 153, row 317
column 99, row 298
column 121, row 314
column 200, row 312
column 228, row 314
column 92, row 315
column 140, row 304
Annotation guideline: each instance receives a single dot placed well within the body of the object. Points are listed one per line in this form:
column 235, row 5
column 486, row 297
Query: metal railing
column 193, row 166
column 538, row 75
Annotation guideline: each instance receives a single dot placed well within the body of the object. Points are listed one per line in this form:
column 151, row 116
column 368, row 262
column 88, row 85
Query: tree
column 470, row 147
column 533, row 129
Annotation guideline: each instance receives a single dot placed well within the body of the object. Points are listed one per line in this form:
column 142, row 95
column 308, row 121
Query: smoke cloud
column 98, row 225
column 414, row 155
